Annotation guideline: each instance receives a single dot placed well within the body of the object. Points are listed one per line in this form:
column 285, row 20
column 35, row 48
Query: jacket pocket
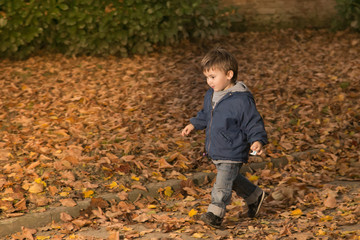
column 226, row 137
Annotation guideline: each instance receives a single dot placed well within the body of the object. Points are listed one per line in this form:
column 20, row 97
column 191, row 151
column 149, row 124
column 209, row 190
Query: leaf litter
column 74, row 128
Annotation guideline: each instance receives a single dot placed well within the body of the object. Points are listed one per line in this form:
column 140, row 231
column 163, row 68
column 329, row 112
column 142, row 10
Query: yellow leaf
column 253, row 178
column 125, row 189
column 180, row 143
column 107, row 178
column 38, row 180
column 88, row 194
column 238, row 203
column 296, row 212
column 151, row 206
column 113, row 185
column 193, row 212
column 127, row 228
column 321, row 233
column 182, row 177
column 182, row 164
column 161, row 179
column 55, row 226
column 64, row 194
column 189, row 199
column 9, row 199
column 42, row 237
column 106, row 169
column 198, row 235
column 135, row 178
column 168, row 191
column 326, row 218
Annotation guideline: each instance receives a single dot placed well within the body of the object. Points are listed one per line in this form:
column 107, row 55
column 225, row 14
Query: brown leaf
column 99, row 203
column 138, row 186
column 142, row 218
column 39, row 200
column 123, row 196
column 36, row 187
column 53, row 190
column 330, row 201
column 163, row 164
column 65, row 217
column 21, row 205
column 28, row 233
column 68, row 202
column 4, row 154
column 191, row 191
column 81, row 222
column 114, row 235
column 68, row 176
column 33, row 165
column 70, row 159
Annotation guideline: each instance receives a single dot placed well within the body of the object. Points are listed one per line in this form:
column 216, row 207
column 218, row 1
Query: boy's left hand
column 257, row 147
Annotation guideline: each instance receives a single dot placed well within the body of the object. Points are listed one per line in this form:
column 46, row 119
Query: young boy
column 233, row 127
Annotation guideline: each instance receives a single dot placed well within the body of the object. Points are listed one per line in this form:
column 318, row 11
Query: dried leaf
column 36, row 187
column 296, row 212
column 330, row 201
column 65, row 217
column 68, row 202
column 163, row 164
column 193, row 212
column 168, row 191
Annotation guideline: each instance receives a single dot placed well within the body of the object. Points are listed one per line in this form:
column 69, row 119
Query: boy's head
column 222, row 60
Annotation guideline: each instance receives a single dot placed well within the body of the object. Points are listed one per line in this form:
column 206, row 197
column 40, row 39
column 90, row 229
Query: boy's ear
column 230, row 74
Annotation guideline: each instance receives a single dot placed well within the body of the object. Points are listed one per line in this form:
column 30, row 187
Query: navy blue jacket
column 231, row 126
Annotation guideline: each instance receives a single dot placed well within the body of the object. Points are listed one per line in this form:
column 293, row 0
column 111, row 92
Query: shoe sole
column 260, row 203
column 211, row 225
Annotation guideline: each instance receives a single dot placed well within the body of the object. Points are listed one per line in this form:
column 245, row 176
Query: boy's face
column 218, row 79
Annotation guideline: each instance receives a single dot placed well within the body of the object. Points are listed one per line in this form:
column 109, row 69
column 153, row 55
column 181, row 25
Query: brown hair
column 221, row 59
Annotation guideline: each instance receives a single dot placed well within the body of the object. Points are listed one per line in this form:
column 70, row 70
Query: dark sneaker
column 211, row 219
column 255, row 207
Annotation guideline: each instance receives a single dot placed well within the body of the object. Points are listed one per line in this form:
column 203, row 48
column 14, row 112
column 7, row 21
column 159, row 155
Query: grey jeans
column 229, row 178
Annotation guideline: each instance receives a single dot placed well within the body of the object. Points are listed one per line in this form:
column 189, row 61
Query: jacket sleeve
column 200, row 121
column 252, row 122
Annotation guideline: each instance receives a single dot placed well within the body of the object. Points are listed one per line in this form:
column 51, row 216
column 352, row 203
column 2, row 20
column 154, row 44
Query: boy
column 233, row 127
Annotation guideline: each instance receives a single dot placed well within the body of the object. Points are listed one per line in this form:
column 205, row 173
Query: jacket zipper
column 208, row 148
column 212, row 110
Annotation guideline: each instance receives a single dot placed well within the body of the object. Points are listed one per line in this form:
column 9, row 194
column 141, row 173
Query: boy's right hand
column 187, row 130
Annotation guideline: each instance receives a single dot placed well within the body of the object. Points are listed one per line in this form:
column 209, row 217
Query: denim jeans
column 229, row 178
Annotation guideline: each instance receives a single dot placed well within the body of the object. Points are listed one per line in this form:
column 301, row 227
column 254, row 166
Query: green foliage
column 349, row 14
column 116, row 27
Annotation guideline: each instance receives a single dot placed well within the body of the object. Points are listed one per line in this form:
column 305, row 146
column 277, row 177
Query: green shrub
column 349, row 14
column 116, row 27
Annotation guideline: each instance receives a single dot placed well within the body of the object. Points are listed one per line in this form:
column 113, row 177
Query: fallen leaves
column 296, row 212
column 68, row 202
column 330, row 201
column 193, row 212
column 94, row 125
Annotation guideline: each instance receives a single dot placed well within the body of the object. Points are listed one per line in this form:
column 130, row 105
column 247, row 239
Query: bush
column 349, row 14
column 106, row 27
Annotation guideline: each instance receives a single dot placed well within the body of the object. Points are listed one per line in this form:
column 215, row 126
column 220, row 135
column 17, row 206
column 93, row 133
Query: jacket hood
column 239, row 87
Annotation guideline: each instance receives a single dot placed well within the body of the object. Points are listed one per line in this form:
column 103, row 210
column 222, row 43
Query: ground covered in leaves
column 74, row 128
